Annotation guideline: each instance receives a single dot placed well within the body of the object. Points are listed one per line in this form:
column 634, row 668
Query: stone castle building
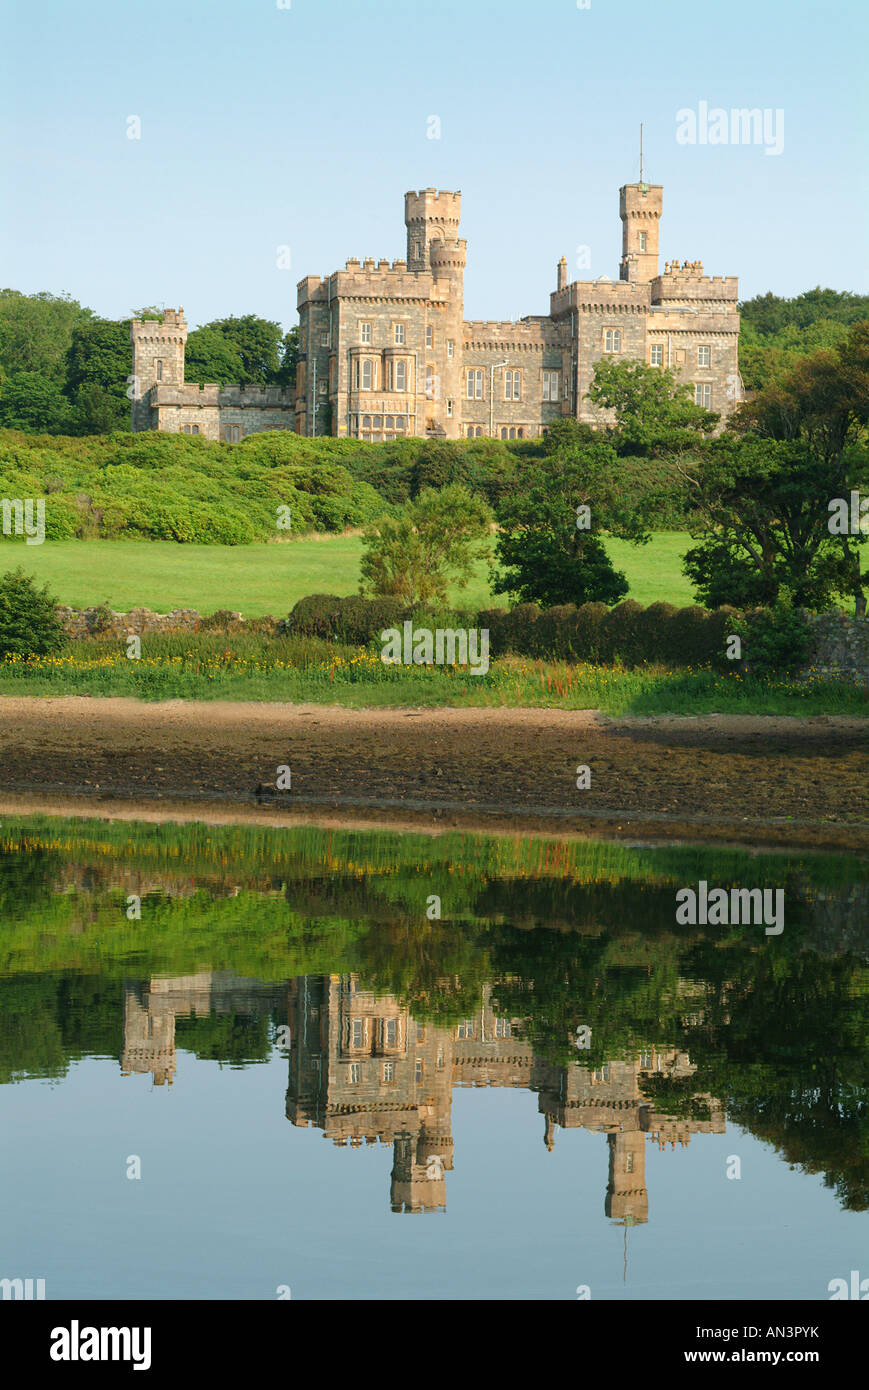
column 385, row 350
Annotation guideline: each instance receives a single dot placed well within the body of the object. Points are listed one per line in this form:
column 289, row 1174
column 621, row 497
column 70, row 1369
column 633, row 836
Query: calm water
column 288, row 1071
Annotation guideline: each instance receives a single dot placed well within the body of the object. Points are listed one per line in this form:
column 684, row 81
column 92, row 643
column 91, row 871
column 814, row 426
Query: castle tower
column 444, row 387
column 640, row 211
column 627, row 1196
column 430, row 215
column 418, row 1183
column 158, row 359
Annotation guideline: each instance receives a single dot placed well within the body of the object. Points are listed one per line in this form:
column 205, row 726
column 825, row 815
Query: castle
column 385, row 351
column 363, row 1069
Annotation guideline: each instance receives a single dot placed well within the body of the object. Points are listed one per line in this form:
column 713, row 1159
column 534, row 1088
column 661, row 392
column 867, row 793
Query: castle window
column 357, row 1035
column 390, row 423
column 511, row 386
column 703, row 396
column 475, row 384
column 465, row 1028
column 642, row 241
column 612, row 340
column 646, row 1060
column 656, row 354
column 429, row 337
column 479, row 431
column 390, row 1032
column 367, row 375
column 418, row 1071
column 231, row 434
column 450, row 347
column 520, row 433
column 551, row 385
column 366, row 422
column 503, row 1028
column 378, row 422
column 354, row 1073
column 704, row 357
column 430, row 383
column 389, row 1071
column 601, row 1073
column 401, row 376
column 324, row 340
column 365, row 332
column 159, row 370
column 398, row 334
column 449, row 410
column 504, row 432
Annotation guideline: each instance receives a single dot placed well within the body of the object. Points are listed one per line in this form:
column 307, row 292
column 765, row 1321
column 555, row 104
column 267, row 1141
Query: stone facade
column 386, row 351
column 162, row 400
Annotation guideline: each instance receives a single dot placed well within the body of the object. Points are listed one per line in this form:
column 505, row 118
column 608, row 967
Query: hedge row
column 628, row 633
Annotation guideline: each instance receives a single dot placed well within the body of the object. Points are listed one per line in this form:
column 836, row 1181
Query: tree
column 258, row 344
column 431, row 541
column 36, row 331
column 549, row 544
column 822, row 405
column 29, row 621
column 653, row 410
column 212, row 357
column 289, row 357
column 97, row 368
column 34, row 403
column 763, row 509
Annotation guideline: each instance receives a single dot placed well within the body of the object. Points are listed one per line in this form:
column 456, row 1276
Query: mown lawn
column 258, row 579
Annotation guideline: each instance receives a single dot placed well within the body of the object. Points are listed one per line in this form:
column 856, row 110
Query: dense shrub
column 624, row 637
column 774, row 639
column 29, row 621
column 353, row 619
column 630, row 634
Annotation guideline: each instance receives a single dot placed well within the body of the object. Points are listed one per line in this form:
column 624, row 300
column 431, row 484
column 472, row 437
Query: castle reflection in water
column 363, row 1070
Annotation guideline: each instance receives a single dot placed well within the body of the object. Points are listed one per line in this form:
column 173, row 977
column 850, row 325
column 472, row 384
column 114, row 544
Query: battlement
column 602, row 295
column 687, row 282
column 246, row 396
column 436, row 204
column 186, row 394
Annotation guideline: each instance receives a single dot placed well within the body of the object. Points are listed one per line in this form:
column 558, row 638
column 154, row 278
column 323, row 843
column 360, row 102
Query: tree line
column 65, row 371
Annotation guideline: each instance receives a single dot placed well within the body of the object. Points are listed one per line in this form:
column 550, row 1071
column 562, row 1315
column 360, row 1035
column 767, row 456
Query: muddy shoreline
column 755, row 781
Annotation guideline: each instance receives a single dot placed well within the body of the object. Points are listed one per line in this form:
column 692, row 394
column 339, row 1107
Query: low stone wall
column 840, row 647
column 105, row 622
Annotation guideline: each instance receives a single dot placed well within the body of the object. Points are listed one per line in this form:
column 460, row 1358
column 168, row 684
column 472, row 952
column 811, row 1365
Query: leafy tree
column 212, row 357
column 97, row 367
column 32, row 402
column 29, row 621
column 762, row 508
column 258, row 343
column 654, row 411
column 549, row 544
column 36, row 331
column 431, row 541
column 289, row 357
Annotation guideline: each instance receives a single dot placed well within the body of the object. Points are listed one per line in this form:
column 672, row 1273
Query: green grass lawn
column 258, row 579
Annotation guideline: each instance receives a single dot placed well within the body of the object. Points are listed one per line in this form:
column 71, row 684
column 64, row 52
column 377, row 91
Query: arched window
column 512, row 432
column 367, row 375
column 520, row 433
column 504, row 432
column 159, row 370
column 378, row 422
column 390, row 422
column 366, row 422
column 401, row 376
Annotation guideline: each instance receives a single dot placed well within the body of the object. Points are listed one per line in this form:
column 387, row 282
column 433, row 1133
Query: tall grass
column 247, row 666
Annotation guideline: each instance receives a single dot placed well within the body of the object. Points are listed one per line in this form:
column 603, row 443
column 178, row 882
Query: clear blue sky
column 264, row 127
